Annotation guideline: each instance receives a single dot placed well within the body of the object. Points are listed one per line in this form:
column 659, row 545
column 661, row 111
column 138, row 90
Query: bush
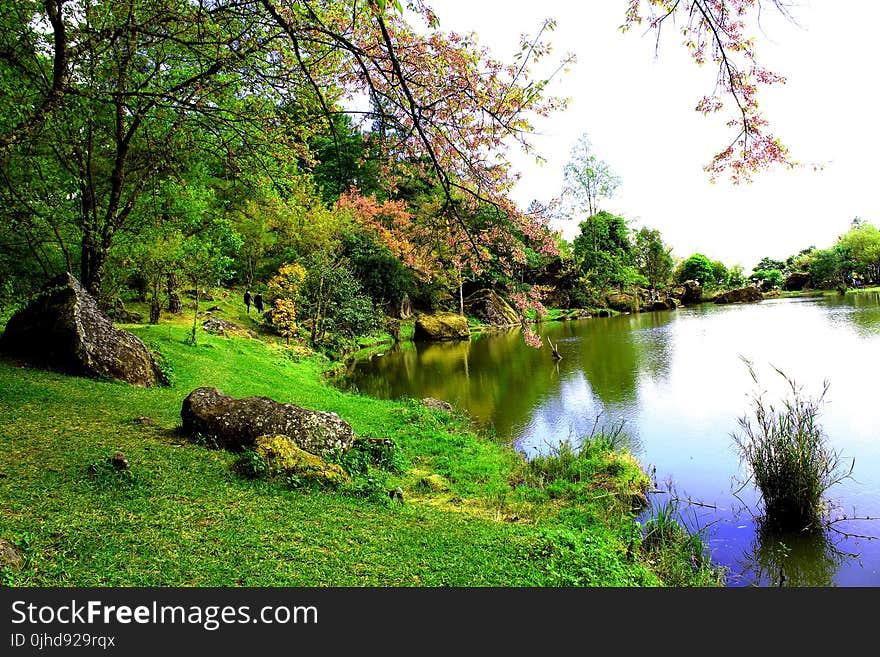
column 789, row 459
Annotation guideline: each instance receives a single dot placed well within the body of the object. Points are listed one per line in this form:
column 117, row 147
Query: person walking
column 247, row 300
column 258, row 303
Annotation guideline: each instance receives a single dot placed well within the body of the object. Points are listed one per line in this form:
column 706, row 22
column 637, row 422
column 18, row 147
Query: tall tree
column 653, row 258
column 587, row 179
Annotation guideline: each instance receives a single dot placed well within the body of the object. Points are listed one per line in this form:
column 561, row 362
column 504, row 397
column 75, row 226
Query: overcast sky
column 639, row 113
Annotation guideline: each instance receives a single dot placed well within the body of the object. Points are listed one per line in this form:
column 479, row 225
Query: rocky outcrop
column 487, row 306
column 622, row 302
column 742, row 295
column 663, row 304
column 688, row 293
column 796, row 281
column 441, row 326
column 63, row 329
column 236, row 423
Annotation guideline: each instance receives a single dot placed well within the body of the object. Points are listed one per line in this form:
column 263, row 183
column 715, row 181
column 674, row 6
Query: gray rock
column 796, row 281
column 487, row 306
column 689, row 292
column 224, row 327
column 9, row 556
column 438, row 404
column 63, row 329
column 236, row 423
column 746, row 294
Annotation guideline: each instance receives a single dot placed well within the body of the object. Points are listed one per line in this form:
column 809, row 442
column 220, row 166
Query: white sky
column 639, row 113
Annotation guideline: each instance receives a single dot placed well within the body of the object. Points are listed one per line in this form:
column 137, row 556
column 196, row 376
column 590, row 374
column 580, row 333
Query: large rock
column 441, row 326
column 742, row 295
column 63, row 329
column 689, row 292
column 487, row 306
column 236, row 423
column 622, row 302
column 796, row 281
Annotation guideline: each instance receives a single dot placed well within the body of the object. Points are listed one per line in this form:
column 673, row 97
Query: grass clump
column 677, row 553
column 788, row 456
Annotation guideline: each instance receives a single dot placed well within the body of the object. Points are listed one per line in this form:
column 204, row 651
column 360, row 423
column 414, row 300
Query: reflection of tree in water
column 803, row 560
column 614, row 353
column 867, row 320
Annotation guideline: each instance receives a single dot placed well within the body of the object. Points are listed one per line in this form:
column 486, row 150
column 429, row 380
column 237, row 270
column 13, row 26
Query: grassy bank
column 474, row 513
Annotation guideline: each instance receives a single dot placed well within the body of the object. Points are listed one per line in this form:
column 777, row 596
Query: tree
column 332, row 302
column 831, row 266
column 131, row 91
column 653, row 258
column 736, row 277
column 720, row 273
column 863, row 244
column 285, row 288
column 696, row 268
column 768, row 278
column 767, row 264
column 587, row 179
column 604, row 252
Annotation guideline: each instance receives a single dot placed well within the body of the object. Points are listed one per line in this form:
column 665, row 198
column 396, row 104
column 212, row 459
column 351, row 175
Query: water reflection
column 793, row 560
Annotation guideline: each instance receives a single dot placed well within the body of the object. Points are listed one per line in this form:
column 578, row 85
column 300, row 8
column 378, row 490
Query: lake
column 677, row 382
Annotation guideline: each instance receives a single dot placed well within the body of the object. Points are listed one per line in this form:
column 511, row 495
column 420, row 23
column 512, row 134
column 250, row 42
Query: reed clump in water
column 788, row 455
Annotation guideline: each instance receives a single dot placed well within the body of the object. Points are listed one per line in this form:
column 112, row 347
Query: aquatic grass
column 789, row 458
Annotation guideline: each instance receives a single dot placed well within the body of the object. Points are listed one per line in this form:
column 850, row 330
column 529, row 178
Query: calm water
column 677, row 382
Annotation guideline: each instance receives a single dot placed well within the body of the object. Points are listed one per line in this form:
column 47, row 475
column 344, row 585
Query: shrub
column 788, row 456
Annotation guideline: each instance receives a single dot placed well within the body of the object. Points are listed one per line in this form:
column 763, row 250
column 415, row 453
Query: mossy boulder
column 63, row 329
column 284, row 458
column 236, row 423
column 746, row 294
column 441, row 326
column 488, row 306
column 622, row 302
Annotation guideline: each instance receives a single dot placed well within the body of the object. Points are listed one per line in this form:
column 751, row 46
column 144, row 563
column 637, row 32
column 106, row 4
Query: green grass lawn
column 183, row 517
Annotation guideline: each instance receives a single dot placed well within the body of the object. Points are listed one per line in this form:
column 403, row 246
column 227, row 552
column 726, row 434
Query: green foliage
column 604, row 252
column 768, row 264
column 332, row 302
column 862, row 244
column 768, row 278
column 382, row 276
column 251, row 464
column 367, row 453
column 695, row 268
column 736, row 277
column 720, row 274
column 653, row 258
column 788, row 456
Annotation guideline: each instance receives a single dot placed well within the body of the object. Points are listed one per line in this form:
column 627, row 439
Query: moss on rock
column 442, row 326
column 283, row 457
